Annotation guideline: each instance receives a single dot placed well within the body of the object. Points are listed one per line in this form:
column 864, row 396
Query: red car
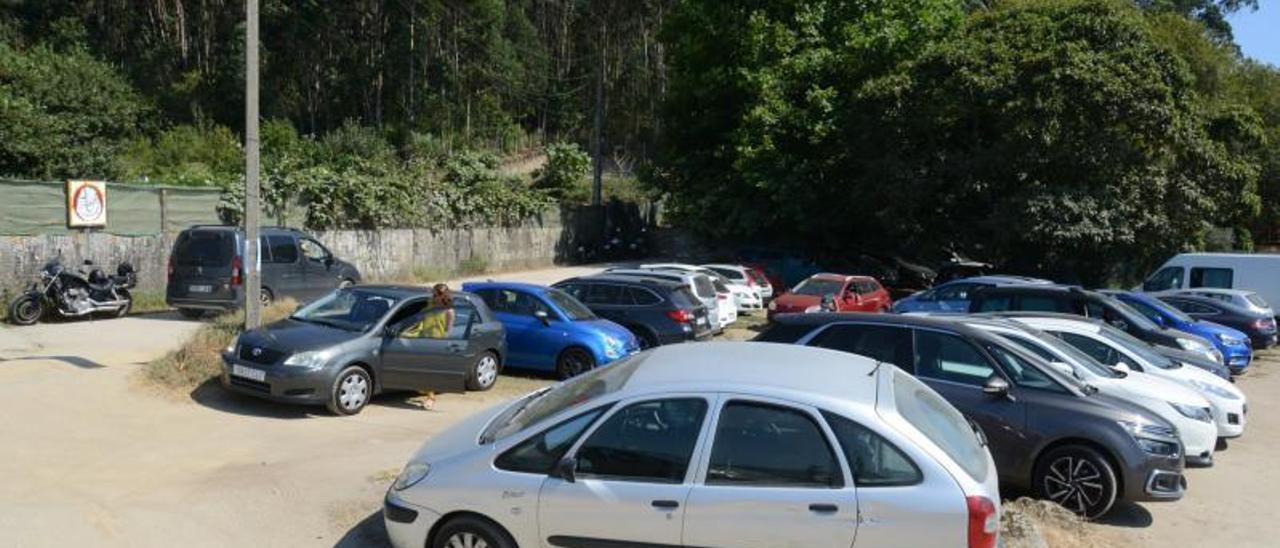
column 849, row 293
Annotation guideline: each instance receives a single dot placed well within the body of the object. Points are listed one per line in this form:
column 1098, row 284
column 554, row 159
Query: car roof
column 1037, row 288
column 494, row 284
column 403, row 291
column 726, row 266
column 769, row 366
column 908, row 320
column 641, row 272
column 1215, row 291
column 627, row 280
column 1064, row 321
column 238, row 230
column 1001, row 279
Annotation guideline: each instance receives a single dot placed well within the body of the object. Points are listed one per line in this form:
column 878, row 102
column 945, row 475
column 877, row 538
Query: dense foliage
column 1050, row 136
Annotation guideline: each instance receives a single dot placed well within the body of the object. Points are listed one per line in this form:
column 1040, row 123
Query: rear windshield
column 576, row 392
column 784, row 333
column 941, row 423
column 204, row 248
column 818, row 287
column 731, row 274
column 758, row 276
column 1257, row 300
column 704, row 287
column 682, row 297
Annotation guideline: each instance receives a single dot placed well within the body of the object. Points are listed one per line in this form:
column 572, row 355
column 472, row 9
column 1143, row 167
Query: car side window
column 879, row 342
column 1167, row 278
column 643, row 297
column 604, row 294
column 873, row 460
column 1146, row 310
column 283, row 249
column 1211, row 277
column 946, row 357
column 1023, row 372
column 746, row 451
column 1042, row 303
column 953, row 292
column 577, row 291
column 538, row 454
column 406, row 315
column 312, row 249
column 512, row 302
column 650, row 441
column 995, row 303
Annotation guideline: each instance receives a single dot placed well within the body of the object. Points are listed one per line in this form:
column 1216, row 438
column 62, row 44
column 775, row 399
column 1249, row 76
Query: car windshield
column 1077, row 356
column 730, row 274
column 573, row 309
column 818, row 287
column 347, row 309
column 1142, row 349
column 1151, row 309
column 577, row 392
column 204, row 248
column 758, row 276
column 1133, row 316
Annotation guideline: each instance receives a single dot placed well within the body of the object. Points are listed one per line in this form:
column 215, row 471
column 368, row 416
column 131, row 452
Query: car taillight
column 722, row 296
column 1264, row 324
column 680, row 316
column 751, row 282
column 984, row 522
column 235, row 271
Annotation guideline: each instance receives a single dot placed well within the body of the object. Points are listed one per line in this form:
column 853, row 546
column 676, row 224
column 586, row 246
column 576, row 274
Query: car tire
column 646, row 339
column 191, row 313
column 484, row 372
column 345, row 283
column 574, row 361
column 266, row 297
column 1077, row 477
column 471, row 531
column 351, row 391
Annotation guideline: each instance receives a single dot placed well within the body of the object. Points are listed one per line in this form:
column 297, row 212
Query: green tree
column 566, row 170
column 64, row 114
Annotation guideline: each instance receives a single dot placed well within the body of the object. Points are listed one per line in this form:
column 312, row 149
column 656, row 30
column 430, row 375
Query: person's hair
column 441, row 295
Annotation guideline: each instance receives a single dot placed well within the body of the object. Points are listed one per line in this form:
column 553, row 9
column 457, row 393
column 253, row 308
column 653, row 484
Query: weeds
column 200, row 358
column 472, row 265
column 148, row 301
column 1026, row 523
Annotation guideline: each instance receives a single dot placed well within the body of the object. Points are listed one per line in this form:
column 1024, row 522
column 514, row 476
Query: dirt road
column 91, row 458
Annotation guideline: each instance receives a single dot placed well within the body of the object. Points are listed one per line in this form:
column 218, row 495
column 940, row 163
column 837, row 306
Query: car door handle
column 666, row 504
column 824, row 508
column 456, row 347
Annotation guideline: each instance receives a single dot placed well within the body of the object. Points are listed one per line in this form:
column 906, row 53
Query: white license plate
column 200, row 288
column 704, row 321
column 249, row 373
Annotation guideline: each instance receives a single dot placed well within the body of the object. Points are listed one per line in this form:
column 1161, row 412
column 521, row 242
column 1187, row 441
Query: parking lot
column 98, row 459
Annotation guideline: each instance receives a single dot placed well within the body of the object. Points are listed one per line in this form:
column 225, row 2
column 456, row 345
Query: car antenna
column 872, row 373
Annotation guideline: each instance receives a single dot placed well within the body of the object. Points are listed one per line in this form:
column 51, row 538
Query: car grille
column 266, row 356
column 250, row 384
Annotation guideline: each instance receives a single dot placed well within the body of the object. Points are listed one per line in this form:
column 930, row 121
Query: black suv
column 1047, row 431
column 206, row 268
column 658, row 311
column 1080, row 302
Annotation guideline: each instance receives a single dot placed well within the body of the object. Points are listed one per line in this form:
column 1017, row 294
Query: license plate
column 200, row 288
column 249, row 373
column 704, row 321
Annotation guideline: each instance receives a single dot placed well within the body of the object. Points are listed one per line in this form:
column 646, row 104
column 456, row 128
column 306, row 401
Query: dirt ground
column 91, row 458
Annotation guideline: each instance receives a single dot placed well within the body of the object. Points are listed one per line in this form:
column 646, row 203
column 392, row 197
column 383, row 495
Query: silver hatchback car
column 717, row 444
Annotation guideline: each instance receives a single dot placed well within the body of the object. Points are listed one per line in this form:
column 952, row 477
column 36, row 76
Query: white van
column 1257, row 272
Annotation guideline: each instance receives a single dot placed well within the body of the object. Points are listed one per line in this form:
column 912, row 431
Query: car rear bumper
column 407, row 524
column 203, row 304
column 281, row 384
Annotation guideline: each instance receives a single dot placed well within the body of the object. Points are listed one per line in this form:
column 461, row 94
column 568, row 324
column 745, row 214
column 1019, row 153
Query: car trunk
column 203, row 265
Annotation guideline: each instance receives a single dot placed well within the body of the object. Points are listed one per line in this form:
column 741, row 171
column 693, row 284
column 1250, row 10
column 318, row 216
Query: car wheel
column 573, row 362
column 26, row 310
column 351, row 391
column 471, row 532
column 266, row 297
column 645, row 338
column 484, row 372
column 345, row 283
column 191, row 313
column 1077, row 477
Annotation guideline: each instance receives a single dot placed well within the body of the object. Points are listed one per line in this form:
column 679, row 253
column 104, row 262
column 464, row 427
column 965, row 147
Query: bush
column 565, row 174
column 199, row 359
column 186, row 155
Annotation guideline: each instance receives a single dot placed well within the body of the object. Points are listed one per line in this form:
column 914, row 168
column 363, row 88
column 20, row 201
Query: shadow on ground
column 1127, row 514
column 368, row 533
column 81, row 362
column 211, row 394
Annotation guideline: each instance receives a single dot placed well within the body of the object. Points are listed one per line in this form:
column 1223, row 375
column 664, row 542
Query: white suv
column 745, row 445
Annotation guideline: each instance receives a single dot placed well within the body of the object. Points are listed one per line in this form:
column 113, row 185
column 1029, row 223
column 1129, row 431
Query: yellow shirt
column 434, row 325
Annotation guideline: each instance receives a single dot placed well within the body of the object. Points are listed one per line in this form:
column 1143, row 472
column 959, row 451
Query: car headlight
column 1228, row 340
column 230, row 349
column 412, row 474
column 1213, row 389
column 314, row 359
column 614, row 348
column 773, row 305
column 1153, row 439
column 1192, row 345
column 1202, row 414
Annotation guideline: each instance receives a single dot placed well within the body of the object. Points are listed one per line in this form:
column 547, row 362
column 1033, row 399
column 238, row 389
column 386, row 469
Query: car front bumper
column 407, row 524
column 282, row 384
column 1230, row 418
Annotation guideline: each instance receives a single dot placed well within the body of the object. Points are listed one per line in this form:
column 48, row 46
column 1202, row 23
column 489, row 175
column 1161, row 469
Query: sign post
column 252, row 265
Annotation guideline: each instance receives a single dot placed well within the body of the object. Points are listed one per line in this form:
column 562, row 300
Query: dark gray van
column 206, row 268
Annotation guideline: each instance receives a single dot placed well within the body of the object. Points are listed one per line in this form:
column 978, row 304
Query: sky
column 1258, row 32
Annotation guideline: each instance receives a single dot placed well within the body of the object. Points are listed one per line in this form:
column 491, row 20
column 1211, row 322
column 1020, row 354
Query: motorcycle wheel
column 128, row 303
column 26, row 309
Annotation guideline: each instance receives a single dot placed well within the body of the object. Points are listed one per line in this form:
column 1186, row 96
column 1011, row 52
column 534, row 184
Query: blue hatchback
column 549, row 330
column 1234, row 345
column 953, row 296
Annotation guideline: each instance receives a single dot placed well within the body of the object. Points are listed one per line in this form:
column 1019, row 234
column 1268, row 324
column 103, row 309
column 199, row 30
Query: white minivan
column 1259, row 272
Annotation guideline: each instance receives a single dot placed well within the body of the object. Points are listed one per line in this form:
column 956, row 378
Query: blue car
column 953, row 296
column 1234, row 344
column 549, row 330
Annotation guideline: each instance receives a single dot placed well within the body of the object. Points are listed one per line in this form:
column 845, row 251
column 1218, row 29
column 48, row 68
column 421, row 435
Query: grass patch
column 200, row 357
column 471, row 266
column 148, row 301
column 1027, row 522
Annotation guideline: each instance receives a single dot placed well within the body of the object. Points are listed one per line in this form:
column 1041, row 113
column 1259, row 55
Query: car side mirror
column 996, row 386
column 1064, row 368
column 542, row 316
column 566, row 469
column 1121, row 367
column 1119, row 324
column 1159, row 320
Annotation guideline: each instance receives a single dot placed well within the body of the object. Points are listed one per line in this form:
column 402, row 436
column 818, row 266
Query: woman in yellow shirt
column 438, row 317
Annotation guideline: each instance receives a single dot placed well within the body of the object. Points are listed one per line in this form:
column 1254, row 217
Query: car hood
column 792, row 302
column 1142, row 385
column 294, row 336
column 1194, row 361
column 460, row 438
column 1213, row 329
column 606, row 327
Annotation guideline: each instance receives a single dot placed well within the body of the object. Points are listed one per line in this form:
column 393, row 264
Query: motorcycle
column 72, row 294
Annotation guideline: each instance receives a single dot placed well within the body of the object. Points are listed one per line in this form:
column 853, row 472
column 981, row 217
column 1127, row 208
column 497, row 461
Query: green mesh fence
column 39, row 207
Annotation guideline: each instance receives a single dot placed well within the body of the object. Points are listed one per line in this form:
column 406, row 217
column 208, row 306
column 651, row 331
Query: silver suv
column 743, row 445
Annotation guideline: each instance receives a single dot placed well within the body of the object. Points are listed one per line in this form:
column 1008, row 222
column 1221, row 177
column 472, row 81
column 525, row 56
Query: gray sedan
column 351, row 344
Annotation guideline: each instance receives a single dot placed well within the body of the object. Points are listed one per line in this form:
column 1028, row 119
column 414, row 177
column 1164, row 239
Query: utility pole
column 252, row 265
column 597, row 132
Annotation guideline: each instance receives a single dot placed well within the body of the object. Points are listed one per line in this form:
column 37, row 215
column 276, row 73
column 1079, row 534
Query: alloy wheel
column 353, row 391
column 466, row 540
column 1074, row 483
